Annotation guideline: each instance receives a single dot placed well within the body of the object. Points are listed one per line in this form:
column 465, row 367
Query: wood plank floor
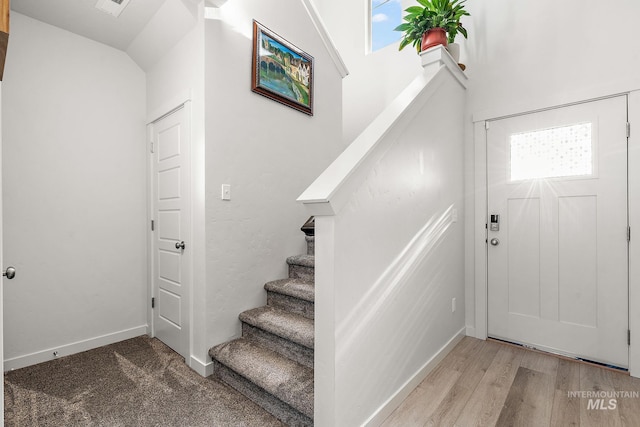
column 487, row 383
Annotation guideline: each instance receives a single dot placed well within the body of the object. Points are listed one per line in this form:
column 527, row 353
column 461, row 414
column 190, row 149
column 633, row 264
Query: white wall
column 403, row 320
column 267, row 152
column 375, row 79
column 513, row 64
column 508, row 62
column 165, row 29
column 176, row 77
column 74, row 193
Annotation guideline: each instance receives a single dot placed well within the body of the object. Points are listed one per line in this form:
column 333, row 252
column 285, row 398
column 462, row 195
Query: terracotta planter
column 433, row 37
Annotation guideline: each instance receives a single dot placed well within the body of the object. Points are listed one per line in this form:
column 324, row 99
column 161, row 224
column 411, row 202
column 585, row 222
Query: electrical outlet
column 453, row 305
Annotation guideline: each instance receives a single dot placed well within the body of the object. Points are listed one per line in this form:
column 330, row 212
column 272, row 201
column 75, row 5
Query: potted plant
column 427, row 25
column 455, row 28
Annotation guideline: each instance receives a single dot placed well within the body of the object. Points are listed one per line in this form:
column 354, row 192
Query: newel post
column 309, row 229
column 436, row 57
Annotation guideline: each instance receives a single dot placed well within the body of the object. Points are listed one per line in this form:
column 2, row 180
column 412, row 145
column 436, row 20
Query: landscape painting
column 281, row 71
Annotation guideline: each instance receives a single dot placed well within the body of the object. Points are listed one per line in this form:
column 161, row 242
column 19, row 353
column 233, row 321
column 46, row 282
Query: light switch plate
column 226, row 192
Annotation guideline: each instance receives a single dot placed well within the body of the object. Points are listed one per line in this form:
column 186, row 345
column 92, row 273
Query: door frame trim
column 633, row 170
column 477, row 314
column 183, row 102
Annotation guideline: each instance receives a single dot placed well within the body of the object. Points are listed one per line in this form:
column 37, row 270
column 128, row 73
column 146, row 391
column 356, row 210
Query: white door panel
column 558, row 274
column 3, row 266
column 169, row 225
column 170, row 211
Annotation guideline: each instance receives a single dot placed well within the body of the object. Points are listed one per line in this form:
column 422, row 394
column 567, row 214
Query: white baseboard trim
column 204, row 369
column 73, row 348
column 394, row 401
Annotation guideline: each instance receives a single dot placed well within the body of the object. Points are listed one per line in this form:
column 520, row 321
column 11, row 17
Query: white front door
column 558, row 264
column 170, row 235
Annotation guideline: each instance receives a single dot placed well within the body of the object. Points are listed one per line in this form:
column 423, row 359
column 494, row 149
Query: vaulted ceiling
column 144, row 30
column 81, row 17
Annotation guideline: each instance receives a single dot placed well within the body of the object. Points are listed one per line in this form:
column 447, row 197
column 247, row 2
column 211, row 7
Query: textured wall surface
column 268, row 153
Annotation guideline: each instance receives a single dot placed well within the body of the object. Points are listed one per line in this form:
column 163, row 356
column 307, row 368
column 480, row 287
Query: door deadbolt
column 9, row 273
column 494, row 222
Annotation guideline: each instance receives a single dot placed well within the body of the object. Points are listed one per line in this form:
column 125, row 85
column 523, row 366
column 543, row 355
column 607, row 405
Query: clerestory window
column 384, row 17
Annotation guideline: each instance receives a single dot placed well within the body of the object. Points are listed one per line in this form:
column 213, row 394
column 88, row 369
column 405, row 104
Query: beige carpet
column 138, row 382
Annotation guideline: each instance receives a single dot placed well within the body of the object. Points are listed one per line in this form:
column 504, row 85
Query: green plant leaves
column 432, row 14
column 414, row 10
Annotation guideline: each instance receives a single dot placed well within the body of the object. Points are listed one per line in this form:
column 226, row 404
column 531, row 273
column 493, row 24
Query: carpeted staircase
column 272, row 363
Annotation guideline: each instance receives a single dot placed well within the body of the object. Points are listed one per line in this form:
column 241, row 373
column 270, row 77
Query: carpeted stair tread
column 302, row 260
column 296, row 288
column 302, row 267
column 285, row 379
column 284, row 324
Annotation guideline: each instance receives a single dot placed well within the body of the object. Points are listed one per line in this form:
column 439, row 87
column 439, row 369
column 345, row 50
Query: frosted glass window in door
column 552, row 153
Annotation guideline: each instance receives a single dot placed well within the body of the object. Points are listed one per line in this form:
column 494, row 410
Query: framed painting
column 281, row 71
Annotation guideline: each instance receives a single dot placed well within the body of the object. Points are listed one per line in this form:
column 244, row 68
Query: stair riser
column 271, row 404
column 301, row 272
column 290, row 349
column 291, row 304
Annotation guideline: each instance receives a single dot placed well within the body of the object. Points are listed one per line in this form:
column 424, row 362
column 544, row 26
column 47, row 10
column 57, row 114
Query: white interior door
column 170, row 235
column 558, row 265
column 1, row 284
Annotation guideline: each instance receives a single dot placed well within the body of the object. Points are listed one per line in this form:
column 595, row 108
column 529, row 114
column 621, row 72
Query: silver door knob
column 494, row 242
column 180, row 245
column 9, row 273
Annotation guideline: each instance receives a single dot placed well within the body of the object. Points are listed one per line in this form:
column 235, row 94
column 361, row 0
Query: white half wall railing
column 390, row 250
